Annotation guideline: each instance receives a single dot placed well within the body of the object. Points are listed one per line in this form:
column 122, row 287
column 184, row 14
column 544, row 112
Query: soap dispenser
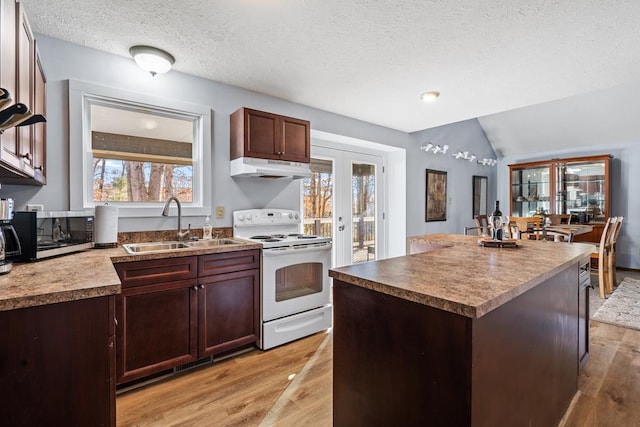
column 206, row 230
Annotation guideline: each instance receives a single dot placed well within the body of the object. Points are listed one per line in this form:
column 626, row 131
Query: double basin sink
column 153, row 247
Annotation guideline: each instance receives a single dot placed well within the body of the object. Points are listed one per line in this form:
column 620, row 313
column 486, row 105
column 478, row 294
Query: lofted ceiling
column 371, row 59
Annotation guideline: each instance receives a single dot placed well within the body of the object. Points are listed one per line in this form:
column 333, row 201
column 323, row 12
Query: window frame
column 82, row 95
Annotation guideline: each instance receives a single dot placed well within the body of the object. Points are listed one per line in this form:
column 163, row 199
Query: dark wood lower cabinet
column 163, row 324
column 228, row 308
column 156, row 328
column 57, row 364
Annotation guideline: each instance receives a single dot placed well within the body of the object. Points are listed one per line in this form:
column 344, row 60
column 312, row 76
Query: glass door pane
column 363, row 212
column 531, row 191
column 342, row 201
column 318, row 199
column 584, row 186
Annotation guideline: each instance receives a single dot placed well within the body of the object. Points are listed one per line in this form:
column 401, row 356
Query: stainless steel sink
column 136, row 248
column 153, row 247
column 211, row 243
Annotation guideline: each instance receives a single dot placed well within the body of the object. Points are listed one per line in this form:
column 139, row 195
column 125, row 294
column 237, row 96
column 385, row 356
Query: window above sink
column 134, row 150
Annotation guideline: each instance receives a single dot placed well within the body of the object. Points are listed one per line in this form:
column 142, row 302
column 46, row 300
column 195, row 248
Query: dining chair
column 601, row 256
column 613, row 277
column 528, row 227
column 482, row 226
column 557, row 219
column 474, row 230
column 556, row 235
column 514, row 233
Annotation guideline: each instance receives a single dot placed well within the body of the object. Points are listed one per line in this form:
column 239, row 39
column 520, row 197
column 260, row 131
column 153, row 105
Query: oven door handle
column 296, row 249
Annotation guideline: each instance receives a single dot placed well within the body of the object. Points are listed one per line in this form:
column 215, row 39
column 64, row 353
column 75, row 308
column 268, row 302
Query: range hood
column 263, row 168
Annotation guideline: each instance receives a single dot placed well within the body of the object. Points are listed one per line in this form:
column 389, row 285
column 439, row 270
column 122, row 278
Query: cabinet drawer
column 228, row 262
column 138, row 273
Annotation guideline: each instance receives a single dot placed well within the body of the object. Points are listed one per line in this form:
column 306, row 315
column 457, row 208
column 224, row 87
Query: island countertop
column 459, row 276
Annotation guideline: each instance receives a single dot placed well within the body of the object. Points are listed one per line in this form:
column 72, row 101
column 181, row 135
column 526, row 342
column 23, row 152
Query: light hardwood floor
column 286, row 386
column 255, row 389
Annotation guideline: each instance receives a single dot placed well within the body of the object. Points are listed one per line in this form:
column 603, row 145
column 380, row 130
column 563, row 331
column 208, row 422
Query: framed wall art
column 436, row 197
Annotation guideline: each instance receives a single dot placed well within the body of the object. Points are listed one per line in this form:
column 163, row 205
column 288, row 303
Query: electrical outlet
column 36, row 208
column 220, row 212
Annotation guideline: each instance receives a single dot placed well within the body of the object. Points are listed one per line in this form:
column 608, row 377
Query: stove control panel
column 265, row 217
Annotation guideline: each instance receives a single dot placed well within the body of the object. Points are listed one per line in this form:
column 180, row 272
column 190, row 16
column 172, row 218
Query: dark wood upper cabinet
column 8, row 61
column 23, row 154
column 26, row 82
column 269, row 136
column 39, row 130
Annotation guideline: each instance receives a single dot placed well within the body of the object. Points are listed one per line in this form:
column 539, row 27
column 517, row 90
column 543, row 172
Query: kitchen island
column 459, row 335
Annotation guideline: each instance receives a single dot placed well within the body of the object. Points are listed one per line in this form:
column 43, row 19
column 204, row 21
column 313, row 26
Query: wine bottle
column 496, row 222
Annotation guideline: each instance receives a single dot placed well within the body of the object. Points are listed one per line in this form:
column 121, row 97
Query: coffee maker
column 9, row 243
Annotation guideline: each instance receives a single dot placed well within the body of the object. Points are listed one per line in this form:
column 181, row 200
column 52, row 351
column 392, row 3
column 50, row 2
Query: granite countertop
column 81, row 275
column 459, row 276
column 123, row 256
column 86, row 274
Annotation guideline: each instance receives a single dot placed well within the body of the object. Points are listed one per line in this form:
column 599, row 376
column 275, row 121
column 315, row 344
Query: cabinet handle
column 26, row 156
column 39, row 168
column 195, row 287
column 116, row 321
column 201, row 286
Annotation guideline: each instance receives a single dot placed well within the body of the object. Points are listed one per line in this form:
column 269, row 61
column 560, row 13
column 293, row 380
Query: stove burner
column 271, row 240
column 278, row 236
column 260, row 237
column 307, row 236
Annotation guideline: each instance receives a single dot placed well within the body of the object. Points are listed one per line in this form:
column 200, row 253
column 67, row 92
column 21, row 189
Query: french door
column 343, row 200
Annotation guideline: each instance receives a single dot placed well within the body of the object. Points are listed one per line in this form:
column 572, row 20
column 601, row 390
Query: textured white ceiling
column 371, row 59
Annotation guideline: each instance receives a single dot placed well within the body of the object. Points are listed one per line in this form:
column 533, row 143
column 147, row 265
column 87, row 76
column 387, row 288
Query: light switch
column 220, row 212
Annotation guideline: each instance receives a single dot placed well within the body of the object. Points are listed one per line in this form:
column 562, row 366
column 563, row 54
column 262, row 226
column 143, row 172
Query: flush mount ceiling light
column 429, row 96
column 152, row 59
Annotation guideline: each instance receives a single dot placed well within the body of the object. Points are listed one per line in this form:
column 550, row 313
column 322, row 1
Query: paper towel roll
column 106, row 226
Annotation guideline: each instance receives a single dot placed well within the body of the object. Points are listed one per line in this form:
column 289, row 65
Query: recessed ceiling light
column 430, row 96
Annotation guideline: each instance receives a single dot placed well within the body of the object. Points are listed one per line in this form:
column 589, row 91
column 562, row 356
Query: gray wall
column 462, row 136
column 63, row 61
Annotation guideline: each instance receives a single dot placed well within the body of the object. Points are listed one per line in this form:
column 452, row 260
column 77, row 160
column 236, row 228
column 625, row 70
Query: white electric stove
column 296, row 288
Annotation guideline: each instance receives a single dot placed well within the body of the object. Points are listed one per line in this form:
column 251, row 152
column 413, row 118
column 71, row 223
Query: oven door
column 295, row 279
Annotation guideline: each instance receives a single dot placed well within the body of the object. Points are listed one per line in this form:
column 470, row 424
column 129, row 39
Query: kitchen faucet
column 181, row 235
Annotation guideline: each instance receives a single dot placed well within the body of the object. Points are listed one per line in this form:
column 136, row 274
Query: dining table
column 564, row 229
column 575, row 229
